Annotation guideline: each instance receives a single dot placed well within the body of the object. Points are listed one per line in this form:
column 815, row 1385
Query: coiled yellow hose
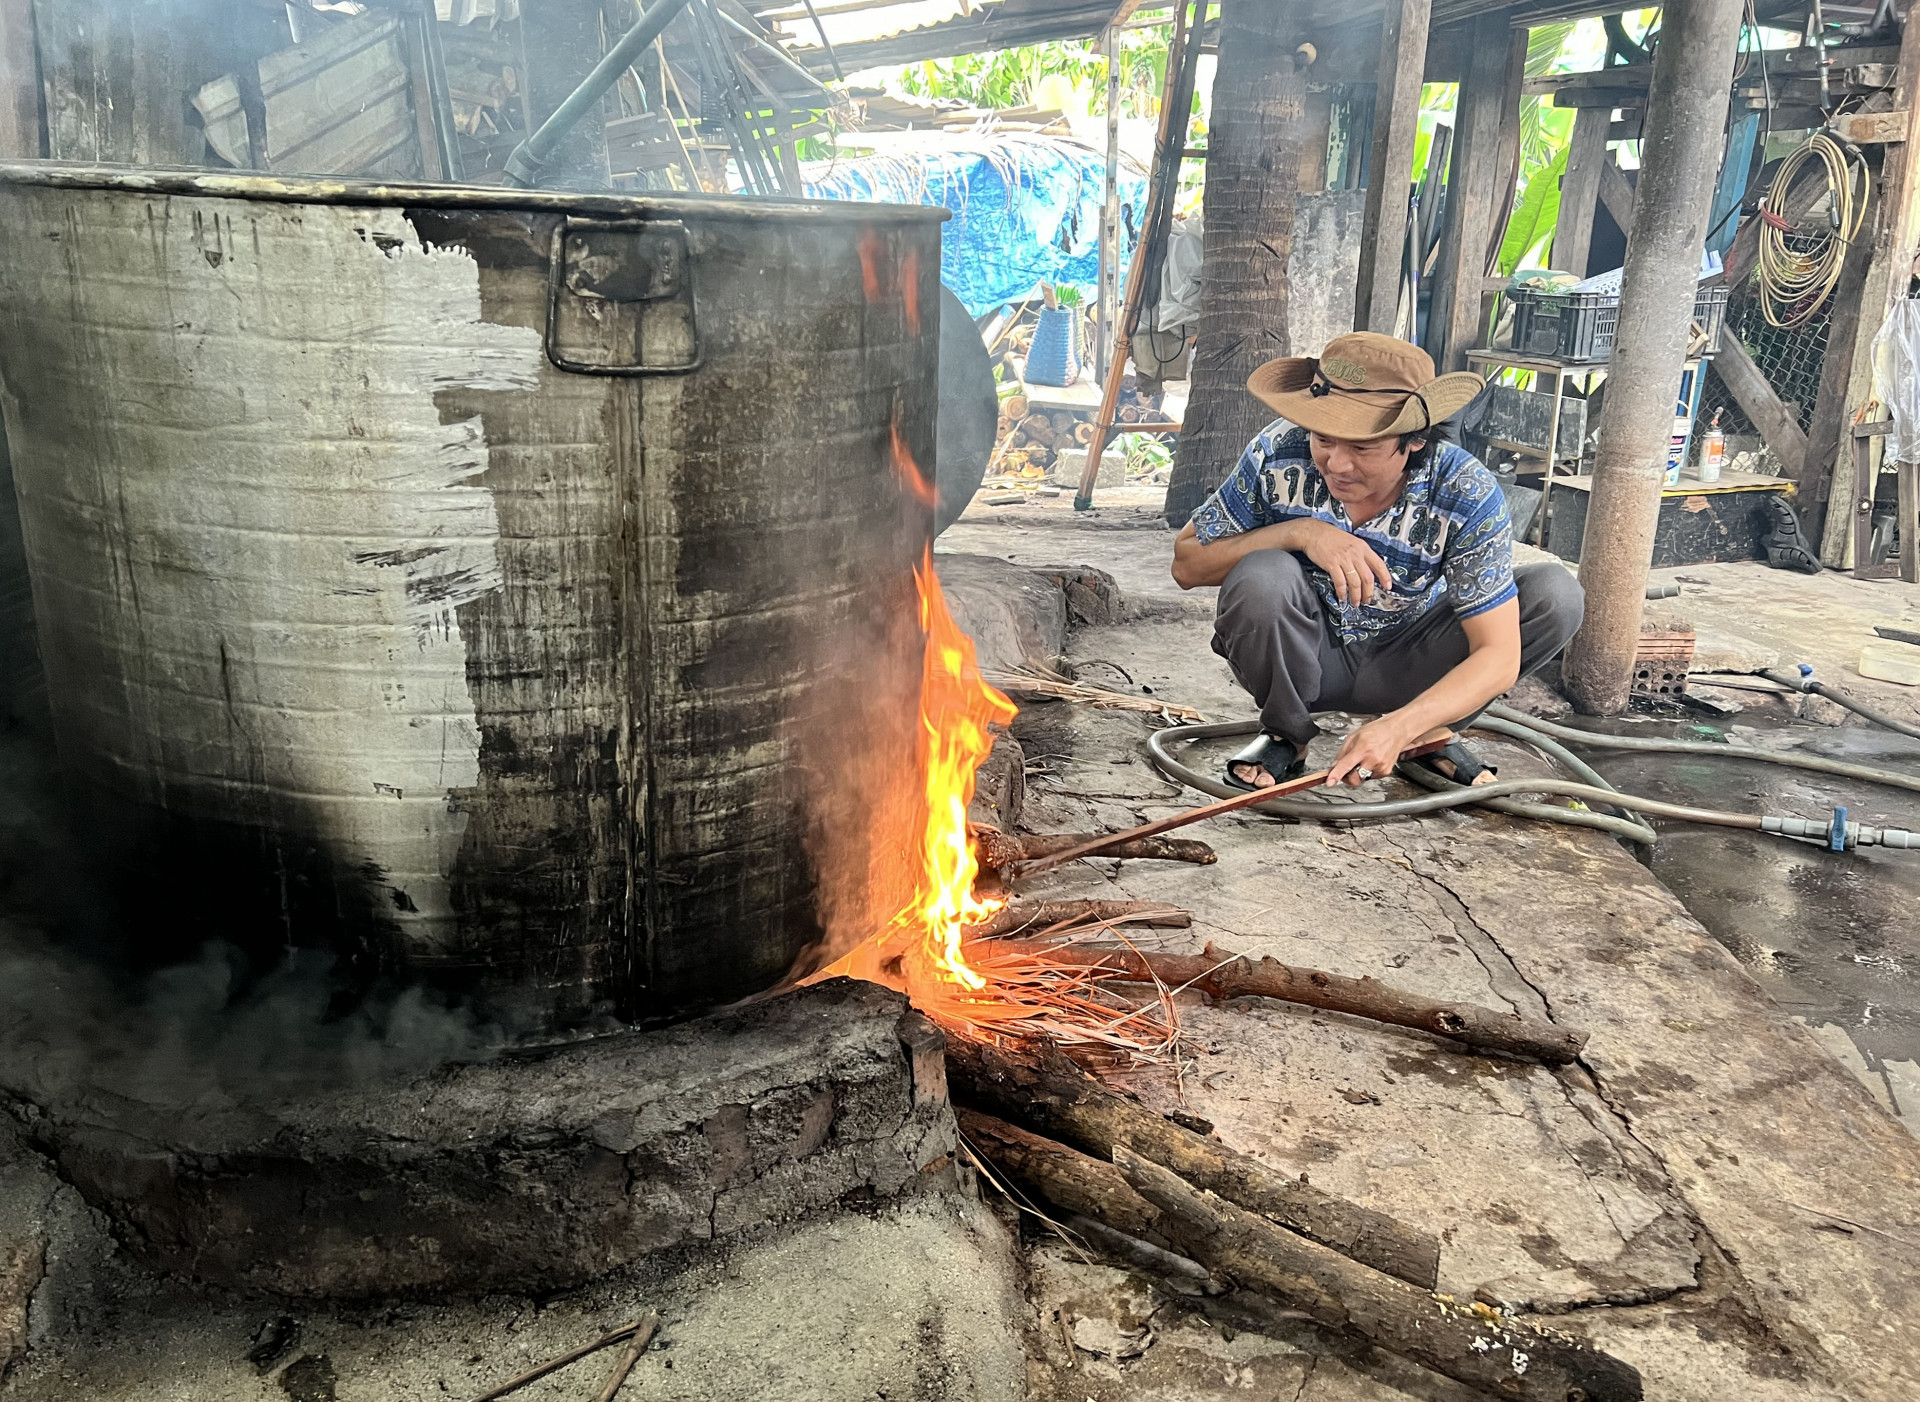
column 1797, row 283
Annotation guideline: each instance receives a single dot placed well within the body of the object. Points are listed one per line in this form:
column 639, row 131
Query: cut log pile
column 1032, row 439
column 1169, row 1199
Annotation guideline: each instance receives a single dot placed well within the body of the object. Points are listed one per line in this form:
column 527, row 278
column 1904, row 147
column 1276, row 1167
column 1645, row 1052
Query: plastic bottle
column 1713, row 451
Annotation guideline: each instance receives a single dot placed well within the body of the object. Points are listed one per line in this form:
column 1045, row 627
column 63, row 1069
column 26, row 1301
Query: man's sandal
column 1280, row 758
column 1467, row 766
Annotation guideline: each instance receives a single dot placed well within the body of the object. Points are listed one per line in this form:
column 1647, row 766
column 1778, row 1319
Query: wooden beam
column 1606, row 98
column 1827, row 435
column 1506, row 161
column 1778, row 424
column 1864, row 127
column 20, row 128
column 1617, row 195
column 1890, row 268
column 1454, row 321
column 1807, row 60
column 1396, row 121
column 1907, row 519
column 1580, row 191
column 1634, row 78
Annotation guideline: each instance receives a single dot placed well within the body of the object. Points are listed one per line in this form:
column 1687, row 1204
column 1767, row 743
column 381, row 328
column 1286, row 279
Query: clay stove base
column 532, row 1172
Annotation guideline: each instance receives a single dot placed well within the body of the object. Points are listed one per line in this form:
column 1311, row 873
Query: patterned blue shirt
column 1447, row 536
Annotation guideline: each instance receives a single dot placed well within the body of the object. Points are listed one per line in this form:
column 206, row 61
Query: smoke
column 211, row 1029
column 205, row 1031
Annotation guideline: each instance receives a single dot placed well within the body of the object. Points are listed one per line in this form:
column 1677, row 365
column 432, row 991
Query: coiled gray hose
column 1700, row 747
column 1542, row 735
column 1333, row 809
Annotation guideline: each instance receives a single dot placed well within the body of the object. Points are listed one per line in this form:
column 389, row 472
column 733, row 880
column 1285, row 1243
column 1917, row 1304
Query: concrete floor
column 1710, row 1194
column 1831, row 937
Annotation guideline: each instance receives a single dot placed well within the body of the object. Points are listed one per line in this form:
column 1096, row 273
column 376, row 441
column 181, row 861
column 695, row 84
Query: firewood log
column 1037, row 915
column 996, row 849
column 1074, row 1180
column 1063, row 422
column 1045, row 1091
column 1038, row 428
column 1471, row 1344
column 1222, row 976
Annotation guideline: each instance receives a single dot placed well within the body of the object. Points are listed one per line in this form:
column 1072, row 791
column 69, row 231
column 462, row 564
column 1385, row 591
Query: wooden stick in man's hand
column 1433, row 740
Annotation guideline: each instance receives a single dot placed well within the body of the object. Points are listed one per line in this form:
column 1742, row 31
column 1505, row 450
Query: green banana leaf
column 1534, row 217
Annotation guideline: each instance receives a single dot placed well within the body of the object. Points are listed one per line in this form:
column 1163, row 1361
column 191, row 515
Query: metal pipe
column 825, row 43
column 1686, row 110
column 446, row 133
column 760, row 41
column 524, row 166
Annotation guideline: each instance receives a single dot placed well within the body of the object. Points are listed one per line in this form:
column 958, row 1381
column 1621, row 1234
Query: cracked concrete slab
column 1709, row 1194
column 534, row 1171
column 916, row 1299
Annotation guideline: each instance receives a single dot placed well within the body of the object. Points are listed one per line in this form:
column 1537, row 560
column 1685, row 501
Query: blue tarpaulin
column 1025, row 207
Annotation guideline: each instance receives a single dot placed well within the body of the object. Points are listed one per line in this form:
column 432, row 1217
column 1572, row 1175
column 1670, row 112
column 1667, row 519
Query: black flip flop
column 1786, row 546
column 1280, row 758
column 1467, row 766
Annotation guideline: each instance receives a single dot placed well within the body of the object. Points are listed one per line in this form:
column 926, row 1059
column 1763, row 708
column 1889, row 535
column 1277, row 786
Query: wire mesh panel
column 1791, row 361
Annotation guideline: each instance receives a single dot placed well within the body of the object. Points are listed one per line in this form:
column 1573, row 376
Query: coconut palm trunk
column 1253, row 173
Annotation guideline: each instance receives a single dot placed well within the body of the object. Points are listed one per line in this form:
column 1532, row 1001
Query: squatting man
column 1365, row 563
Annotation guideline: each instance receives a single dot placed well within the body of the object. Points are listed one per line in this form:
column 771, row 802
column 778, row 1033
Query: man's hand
column 1349, row 562
column 1370, row 751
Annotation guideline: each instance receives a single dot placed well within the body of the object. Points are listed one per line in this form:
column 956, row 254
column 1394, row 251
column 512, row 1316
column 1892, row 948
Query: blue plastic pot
column 1054, row 356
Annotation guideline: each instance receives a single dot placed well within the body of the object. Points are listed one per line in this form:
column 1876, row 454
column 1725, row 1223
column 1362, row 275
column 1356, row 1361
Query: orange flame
column 910, row 290
column 919, row 950
column 956, row 707
column 908, row 471
column 872, row 253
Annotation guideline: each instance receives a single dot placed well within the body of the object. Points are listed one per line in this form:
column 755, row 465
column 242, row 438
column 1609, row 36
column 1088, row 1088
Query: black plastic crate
column 1578, row 327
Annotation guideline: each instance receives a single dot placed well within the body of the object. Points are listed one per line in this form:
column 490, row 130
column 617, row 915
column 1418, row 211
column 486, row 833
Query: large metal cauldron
column 504, row 586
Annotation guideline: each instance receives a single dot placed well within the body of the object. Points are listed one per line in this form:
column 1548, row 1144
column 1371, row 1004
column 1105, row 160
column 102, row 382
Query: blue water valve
column 1806, row 669
column 1837, row 833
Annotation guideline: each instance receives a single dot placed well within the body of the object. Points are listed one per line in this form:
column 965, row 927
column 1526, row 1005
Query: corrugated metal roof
column 1002, row 24
column 899, row 32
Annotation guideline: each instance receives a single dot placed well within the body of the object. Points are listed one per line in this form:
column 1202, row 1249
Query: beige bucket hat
column 1363, row 385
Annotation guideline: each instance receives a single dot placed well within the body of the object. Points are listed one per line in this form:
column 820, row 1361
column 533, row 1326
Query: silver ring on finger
column 1365, row 773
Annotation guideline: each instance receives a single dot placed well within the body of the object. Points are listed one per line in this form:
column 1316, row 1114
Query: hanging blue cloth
column 1025, row 207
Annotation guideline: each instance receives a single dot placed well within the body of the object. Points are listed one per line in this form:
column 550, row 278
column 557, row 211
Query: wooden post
column 20, row 134
column 1109, row 212
column 1587, row 157
column 1396, row 120
column 1896, row 241
column 1686, row 112
column 1453, row 319
column 1907, row 519
column 1829, row 436
column 561, row 39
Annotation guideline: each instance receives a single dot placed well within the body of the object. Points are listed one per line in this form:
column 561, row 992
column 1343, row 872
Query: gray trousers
column 1272, row 632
